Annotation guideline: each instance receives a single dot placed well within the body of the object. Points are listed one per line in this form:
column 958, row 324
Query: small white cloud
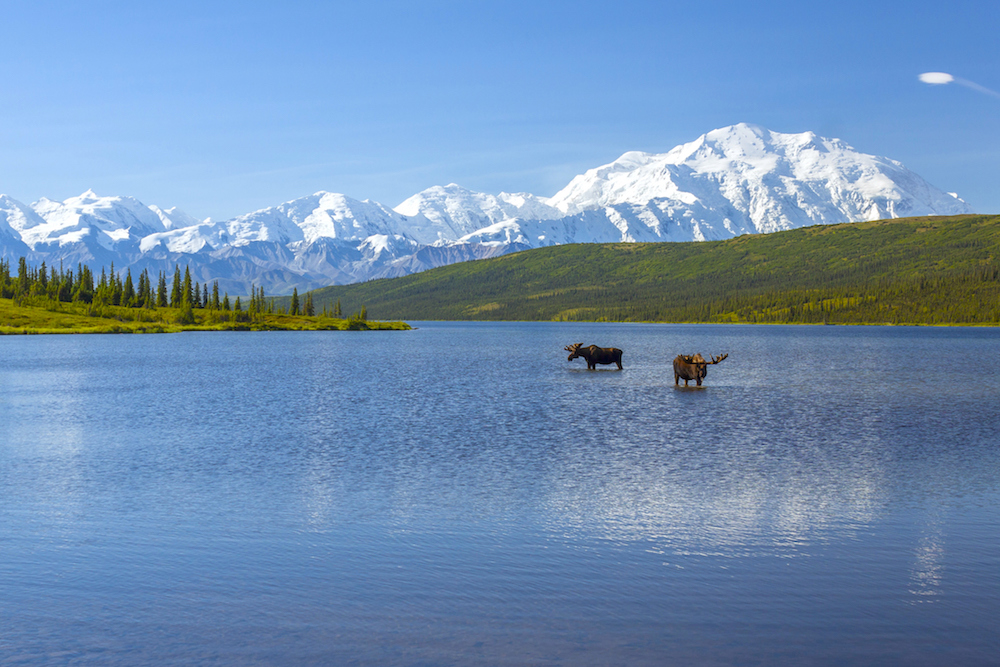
column 936, row 78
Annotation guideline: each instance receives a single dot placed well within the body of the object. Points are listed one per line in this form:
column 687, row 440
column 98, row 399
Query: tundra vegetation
column 50, row 300
column 936, row 270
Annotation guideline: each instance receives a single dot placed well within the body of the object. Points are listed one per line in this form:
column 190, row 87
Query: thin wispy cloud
column 942, row 78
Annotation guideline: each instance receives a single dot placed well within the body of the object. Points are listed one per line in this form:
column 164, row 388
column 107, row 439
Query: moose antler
column 698, row 360
column 573, row 348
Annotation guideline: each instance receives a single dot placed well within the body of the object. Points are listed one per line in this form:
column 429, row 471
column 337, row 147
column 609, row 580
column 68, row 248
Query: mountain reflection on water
column 462, row 494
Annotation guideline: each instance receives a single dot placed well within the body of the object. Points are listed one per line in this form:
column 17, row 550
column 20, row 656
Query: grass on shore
column 40, row 315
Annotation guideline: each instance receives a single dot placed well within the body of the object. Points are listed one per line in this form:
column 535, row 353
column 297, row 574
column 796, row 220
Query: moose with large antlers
column 595, row 355
column 692, row 367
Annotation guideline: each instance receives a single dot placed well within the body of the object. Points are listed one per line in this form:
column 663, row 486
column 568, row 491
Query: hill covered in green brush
column 939, row 270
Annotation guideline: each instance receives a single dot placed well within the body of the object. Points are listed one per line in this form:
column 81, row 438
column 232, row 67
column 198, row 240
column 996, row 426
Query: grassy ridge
column 936, row 270
column 39, row 315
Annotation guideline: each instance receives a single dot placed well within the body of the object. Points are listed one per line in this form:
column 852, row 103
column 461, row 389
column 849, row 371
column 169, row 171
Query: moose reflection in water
column 692, row 367
column 595, row 355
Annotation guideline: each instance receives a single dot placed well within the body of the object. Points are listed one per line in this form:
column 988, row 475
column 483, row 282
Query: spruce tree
column 337, row 312
column 6, row 284
column 161, row 291
column 87, row 278
column 101, row 294
column 84, row 290
column 64, row 290
column 187, row 290
column 55, row 286
column 23, row 279
column 127, row 298
column 115, row 283
column 146, row 297
column 294, row 308
column 176, row 296
column 308, row 309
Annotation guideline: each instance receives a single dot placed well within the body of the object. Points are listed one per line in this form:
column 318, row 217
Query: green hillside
column 906, row 271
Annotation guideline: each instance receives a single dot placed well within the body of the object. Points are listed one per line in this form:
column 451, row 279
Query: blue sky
column 222, row 108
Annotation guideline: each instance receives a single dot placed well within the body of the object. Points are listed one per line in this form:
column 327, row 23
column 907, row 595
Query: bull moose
column 595, row 355
column 692, row 367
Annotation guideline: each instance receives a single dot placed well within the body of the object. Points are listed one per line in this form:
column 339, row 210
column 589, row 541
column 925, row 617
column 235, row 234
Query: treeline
column 954, row 297
column 112, row 289
column 307, row 307
column 61, row 285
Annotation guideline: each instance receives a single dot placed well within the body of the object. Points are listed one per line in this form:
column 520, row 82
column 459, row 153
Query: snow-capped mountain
column 746, row 179
column 446, row 214
column 15, row 216
column 89, row 228
column 173, row 218
column 735, row 180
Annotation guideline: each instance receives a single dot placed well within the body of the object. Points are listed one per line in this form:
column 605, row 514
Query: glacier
column 741, row 179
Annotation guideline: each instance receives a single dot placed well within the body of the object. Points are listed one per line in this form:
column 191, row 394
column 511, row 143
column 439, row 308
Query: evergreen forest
column 43, row 299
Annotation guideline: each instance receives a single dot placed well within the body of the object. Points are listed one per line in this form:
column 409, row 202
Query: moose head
column 693, row 367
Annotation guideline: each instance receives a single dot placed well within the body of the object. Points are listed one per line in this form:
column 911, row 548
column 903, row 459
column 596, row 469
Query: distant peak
column 634, row 157
column 739, row 130
column 451, row 188
column 335, row 198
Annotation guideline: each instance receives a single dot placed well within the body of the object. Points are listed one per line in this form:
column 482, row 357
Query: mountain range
column 741, row 179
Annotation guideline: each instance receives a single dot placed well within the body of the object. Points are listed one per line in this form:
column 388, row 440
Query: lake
column 460, row 494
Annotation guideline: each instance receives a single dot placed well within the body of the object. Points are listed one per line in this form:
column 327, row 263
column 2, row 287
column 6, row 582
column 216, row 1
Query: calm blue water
column 461, row 494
